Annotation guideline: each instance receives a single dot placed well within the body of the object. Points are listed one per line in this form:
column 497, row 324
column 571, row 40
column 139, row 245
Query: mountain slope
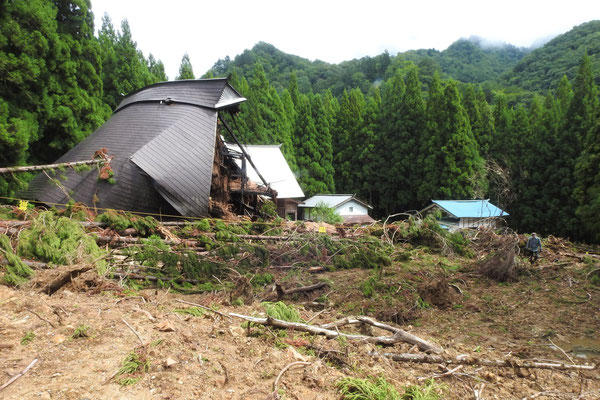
column 466, row 60
column 543, row 68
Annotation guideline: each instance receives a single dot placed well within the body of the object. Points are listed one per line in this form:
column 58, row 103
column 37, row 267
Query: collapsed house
column 272, row 167
column 166, row 155
column 461, row 214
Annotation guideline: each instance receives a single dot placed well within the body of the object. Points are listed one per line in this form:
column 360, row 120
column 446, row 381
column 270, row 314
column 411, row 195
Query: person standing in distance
column 534, row 245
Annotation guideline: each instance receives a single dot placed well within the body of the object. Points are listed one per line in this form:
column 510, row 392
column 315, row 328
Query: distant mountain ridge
column 466, row 60
column 543, row 68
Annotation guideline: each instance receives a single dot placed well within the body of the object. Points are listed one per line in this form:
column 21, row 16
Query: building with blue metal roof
column 460, row 214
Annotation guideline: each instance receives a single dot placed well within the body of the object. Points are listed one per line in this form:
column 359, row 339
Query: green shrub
column 120, row 220
column 59, row 241
column 367, row 389
column 260, row 280
column 282, row 311
column 322, row 213
column 16, row 271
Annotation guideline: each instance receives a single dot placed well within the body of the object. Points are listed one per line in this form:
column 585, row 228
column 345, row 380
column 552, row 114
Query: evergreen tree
column 579, row 121
column 402, row 127
column 185, row 68
column 308, row 156
column 157, row 69
column 125, row 69
column 485, row 130
column 453, row 168
column 265, row 118
column 75, row 108
column 584, row 123
column 323, row 122
column 345, row 136
column 587, row 190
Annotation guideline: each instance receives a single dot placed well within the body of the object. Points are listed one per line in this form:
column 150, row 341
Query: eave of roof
column 468, row 208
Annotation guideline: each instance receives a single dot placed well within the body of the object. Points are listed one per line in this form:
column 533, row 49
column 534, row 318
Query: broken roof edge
column 227, row 98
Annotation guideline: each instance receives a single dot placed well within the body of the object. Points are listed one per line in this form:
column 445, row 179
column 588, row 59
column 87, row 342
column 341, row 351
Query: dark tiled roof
column 357, row 219
column 163, row 153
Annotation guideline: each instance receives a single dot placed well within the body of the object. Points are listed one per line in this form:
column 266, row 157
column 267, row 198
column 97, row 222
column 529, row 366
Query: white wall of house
column 476, row 222
column 352, row 208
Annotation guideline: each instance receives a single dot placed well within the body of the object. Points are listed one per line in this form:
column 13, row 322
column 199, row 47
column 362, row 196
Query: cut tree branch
column 27, row 168
column 399, row 335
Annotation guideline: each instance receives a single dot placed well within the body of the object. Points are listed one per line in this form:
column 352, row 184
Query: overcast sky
column 333, row 31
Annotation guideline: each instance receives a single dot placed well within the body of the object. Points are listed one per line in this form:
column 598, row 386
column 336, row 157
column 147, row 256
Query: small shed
column 348, row 206
column 460, row 214
column 272, row 165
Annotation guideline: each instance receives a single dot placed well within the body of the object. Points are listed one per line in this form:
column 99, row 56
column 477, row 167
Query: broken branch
column 399, row 336
column 14, row 378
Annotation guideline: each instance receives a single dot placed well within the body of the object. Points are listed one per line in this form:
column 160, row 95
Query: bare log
column 330, row 334
column 63, row 279
column 27, row 168
column 405, row 336
column 306, row 288
column 32, row 264
column 434, row 359
column 125, row 275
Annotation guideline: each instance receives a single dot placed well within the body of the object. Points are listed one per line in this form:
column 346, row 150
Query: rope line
column 132, row 212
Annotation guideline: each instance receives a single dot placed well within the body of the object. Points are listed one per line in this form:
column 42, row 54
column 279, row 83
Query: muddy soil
column 545, row 314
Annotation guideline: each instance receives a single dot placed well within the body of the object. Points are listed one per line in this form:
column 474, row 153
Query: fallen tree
column 398, row 336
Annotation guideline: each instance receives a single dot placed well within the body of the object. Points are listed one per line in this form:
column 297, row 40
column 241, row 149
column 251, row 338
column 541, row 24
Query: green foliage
column 121, row 220
column 429, row 391
column 27, row 338
column 367, row 389
column 169, row 265
column 16, row 271
column 260, row 280
column 323, row 213
column 268, row 209
column 185, row 69
column 203, row 225
column 193, row 311
column 543, row 67
column 80, row 332
column 58, row 240
column 132, row 367
column 282, row 311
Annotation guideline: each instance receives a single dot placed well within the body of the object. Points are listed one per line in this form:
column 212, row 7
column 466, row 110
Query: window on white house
column 351, row 209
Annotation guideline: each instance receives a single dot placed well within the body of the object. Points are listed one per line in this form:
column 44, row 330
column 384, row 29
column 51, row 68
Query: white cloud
column 333, row 31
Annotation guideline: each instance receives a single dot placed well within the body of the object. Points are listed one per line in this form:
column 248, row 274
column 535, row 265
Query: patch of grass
column 260, row 280
column 80, row 332
column 429, row 391
column 193, row 311
column 133, row 366
column 367, row 389
column 282, row 311
column 27, row 338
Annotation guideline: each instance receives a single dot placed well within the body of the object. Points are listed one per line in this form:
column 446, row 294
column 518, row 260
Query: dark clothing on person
column 534, row 244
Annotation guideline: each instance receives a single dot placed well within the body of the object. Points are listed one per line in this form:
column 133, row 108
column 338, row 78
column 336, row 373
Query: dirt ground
column 552, row 312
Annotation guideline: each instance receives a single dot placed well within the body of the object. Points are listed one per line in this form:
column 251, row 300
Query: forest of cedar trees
column 518, row 126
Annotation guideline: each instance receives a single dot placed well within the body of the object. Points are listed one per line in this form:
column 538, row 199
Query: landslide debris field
column 98, row 307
